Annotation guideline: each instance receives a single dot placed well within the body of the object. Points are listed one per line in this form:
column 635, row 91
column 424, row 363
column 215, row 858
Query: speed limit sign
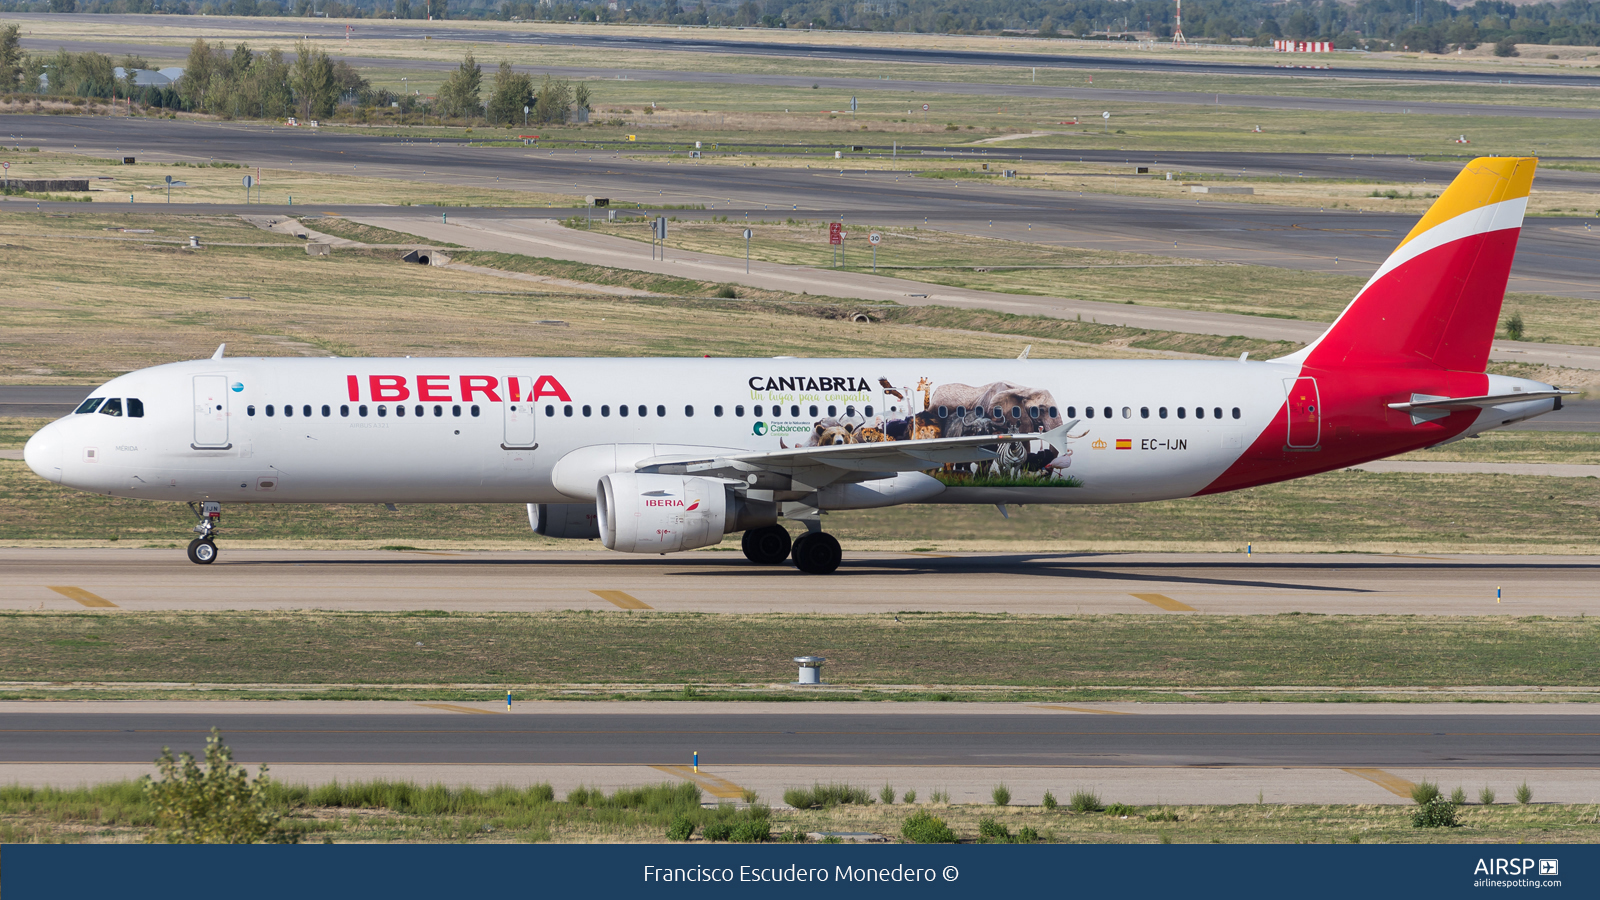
column 924, row 107
column 875, row 237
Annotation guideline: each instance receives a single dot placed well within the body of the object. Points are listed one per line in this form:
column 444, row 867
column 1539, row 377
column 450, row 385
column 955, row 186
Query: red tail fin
column 1436, row 300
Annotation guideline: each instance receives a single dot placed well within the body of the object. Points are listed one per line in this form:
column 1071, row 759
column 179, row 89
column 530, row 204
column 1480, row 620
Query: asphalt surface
column 1555, row 255
column 697, row 41
column 1045, row 582
column 738, row 738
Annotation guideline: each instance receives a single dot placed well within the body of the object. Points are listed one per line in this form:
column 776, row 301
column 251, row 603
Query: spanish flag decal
column 1124, row 444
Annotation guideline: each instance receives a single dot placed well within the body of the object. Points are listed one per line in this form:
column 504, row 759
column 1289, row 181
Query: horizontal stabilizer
column 1428, row 401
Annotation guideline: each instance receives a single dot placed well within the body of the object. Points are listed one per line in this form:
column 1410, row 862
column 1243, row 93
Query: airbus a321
column 667, row 455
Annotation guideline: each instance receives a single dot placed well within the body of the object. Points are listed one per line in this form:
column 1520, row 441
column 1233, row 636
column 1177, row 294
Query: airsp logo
column 760, row 429
column 1549, row 867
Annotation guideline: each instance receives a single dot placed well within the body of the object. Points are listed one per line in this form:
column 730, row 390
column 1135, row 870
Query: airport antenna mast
column 1178, row 40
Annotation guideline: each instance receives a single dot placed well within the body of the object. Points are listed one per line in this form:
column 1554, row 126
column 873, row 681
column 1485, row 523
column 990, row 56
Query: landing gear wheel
column 202, row 551
column 767, row 546
column 817, row 554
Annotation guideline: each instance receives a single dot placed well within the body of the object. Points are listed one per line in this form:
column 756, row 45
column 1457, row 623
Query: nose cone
column 43, row 453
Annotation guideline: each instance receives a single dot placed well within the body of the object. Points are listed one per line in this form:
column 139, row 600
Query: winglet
column 1025, row 351
column 1057, row 437
column 220, row 348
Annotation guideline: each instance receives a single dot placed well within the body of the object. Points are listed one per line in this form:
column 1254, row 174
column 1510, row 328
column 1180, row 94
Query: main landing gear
column 815, row 552
column 203, row 549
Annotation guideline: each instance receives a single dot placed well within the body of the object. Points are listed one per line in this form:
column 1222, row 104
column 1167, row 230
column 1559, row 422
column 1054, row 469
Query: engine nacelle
column 649, row 513
column 577, row 521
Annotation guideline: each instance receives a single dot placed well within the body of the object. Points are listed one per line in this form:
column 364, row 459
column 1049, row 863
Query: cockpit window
column 135, row 408
column 113, row 407
column 91, row 404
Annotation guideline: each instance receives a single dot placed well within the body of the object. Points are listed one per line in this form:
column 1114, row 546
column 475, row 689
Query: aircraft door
column 1305, row 413
column 520, row 414
column 211, row 412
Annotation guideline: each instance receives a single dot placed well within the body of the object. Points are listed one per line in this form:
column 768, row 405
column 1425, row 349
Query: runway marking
column 1084, row 709
column 430, row 552
column 1394, row 784
column 1166, row 603
column 721, row 788
column 622, row 600
column 81, row 595
column 451, row 707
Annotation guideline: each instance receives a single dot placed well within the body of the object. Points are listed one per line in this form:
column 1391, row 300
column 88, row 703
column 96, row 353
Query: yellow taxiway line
column 721, row 788
column 1394, row 784
column 81, row 595
column 1166, row 603
column 622, row 600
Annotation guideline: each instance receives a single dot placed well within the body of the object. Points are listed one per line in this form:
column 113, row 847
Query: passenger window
column 419, row 410
column 1144, row 412
column 455, row 410
column 1182, row 413
column 586, row 411
column 135, row 408
column 475, row 410
column 1033, row 412
column 360, row 410
column 688, row 411
column 250, row 410
column 1054, row 413
column 344, row 410
column 382, row 410
column 716, row 411
column 269, row 410
column 961, row 412
column 565, row 410
column 660, row 411
column 1127, row 413
column 850, row 411
column 833, row 412
column 1236, row 412
column 438, row 411
column 399, row 410
column 813, row 411
column 1108, row 412
column 867, row 411
column 113, row 407
column 758, row 410
column 1216, row 413
column 794, row 411
column 326, row 411
column 1072, row 412
column 739, row 411
column 1162, row 412
column 997, row 413
column 606, row 410
column 1016, row 412
column 306, row 410
column 549, row 410
column 944, row 412
column 1088, row 412
column 288, row 410
column 1199, row 412
column 90, row 405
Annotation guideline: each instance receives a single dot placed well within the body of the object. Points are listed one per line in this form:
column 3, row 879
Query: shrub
column 219, row 804
column 1524, row 793
column 718, row 831
column 910, row 797
column 1026, row 835
column 993, row 832
column 1119, row 809
column 681, row 829
column 1049, row 800
column 1514, row 326
column 1459, row 796
column 1486, row 796
column 1424, row 792
column 1001, row 795
column 791, row 837
column 886, row 795
column 755, row 831
column 1085, row 801
column 748, row 795
column 1506, row 47
column 925, row 828
column 824, row 796
column 1161, row 815
column 579, row 796
column 727, row 292
column 1436, row 813
column 939, row 797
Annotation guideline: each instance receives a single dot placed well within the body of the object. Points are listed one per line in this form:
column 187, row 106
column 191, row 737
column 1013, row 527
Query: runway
column 623, row 40
column 1201, row 753
column 867, row 582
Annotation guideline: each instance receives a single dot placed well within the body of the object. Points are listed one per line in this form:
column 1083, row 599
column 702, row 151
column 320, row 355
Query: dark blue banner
column 61, row 872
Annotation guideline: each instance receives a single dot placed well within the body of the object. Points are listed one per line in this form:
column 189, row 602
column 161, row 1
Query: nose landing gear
column 203, row 549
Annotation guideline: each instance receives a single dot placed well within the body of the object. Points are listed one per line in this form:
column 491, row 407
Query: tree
column 219, row 804
column 11, row 58
column 458, row 96
column 512, row 91
column 312, row 79
column 553, row 101
column 196, row 81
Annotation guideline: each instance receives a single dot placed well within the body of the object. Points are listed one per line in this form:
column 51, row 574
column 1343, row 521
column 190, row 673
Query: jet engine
column 651, row 513
column 578, row 521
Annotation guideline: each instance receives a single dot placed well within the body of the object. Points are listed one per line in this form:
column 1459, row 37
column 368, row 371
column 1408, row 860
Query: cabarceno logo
column 760, row 429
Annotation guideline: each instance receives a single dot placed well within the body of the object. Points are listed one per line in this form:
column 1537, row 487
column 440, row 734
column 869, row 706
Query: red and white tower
column 1178, row 40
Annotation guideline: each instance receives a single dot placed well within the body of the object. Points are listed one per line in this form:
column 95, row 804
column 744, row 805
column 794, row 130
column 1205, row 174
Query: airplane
column 668, row 455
